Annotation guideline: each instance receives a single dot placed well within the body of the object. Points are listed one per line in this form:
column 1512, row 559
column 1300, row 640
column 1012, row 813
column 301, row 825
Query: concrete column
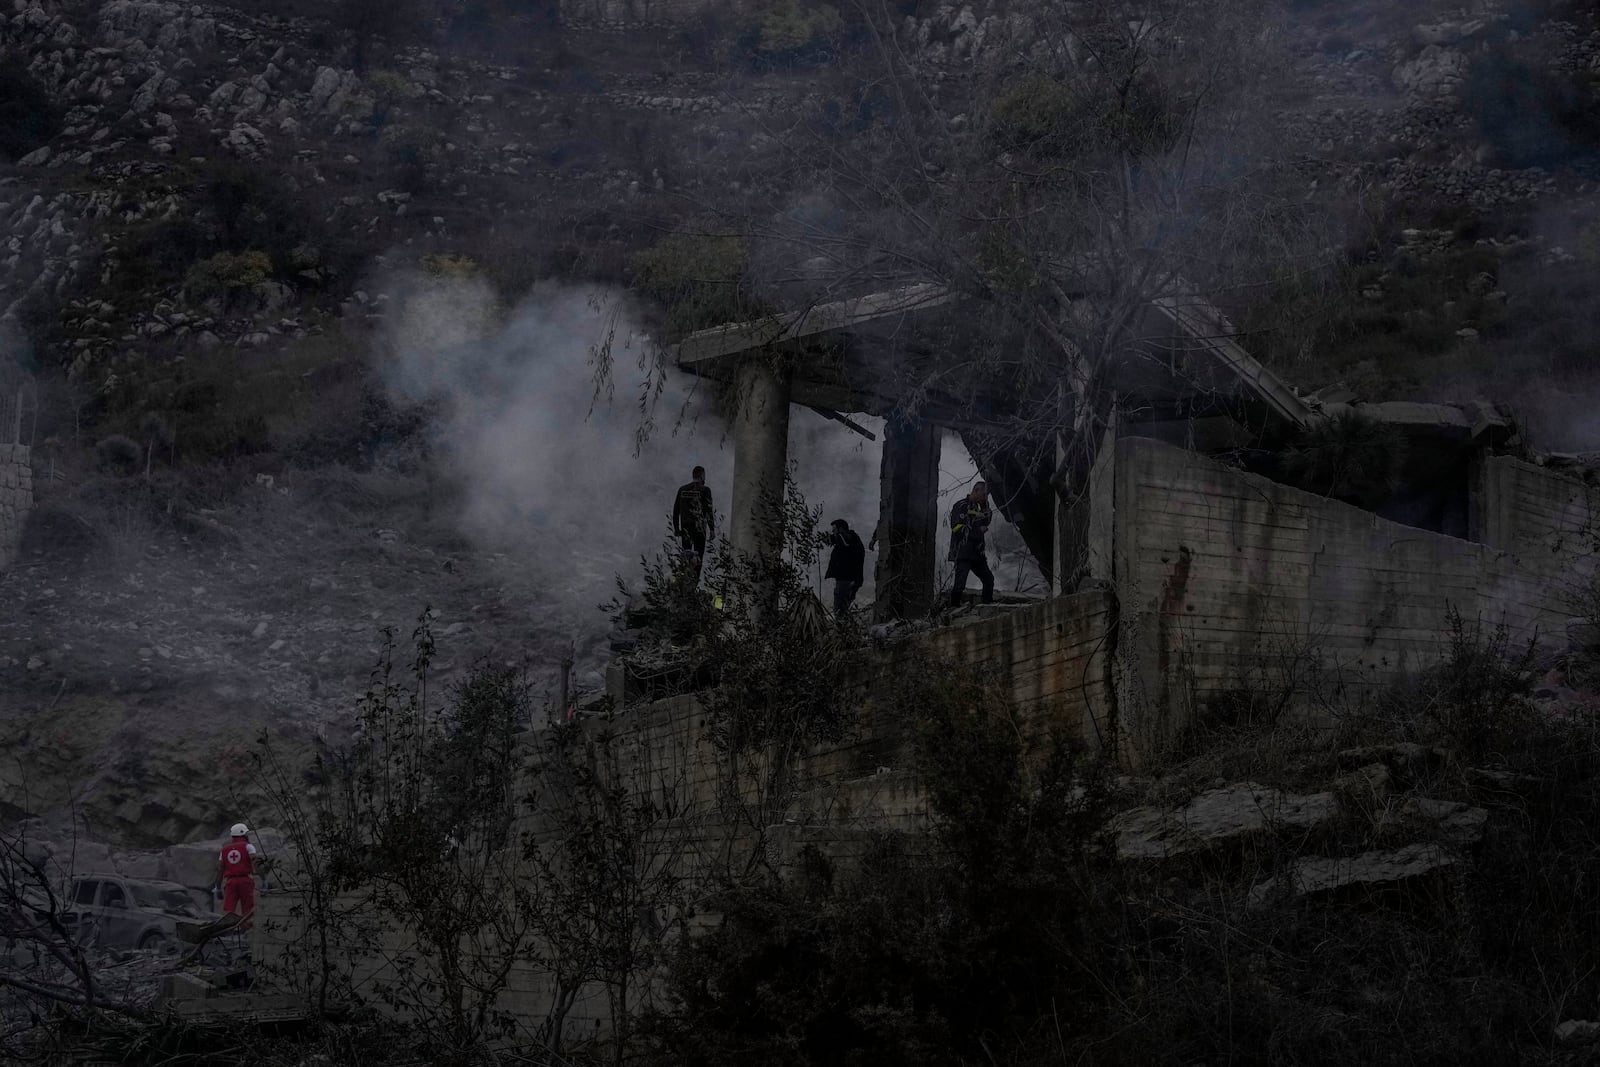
column 908, row 520
column 760, row 458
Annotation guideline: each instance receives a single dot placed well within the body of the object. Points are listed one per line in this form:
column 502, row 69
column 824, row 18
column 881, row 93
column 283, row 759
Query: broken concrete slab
column 1218, row 818
column 1385, row 869
column 251, row 1007
column 184, row 986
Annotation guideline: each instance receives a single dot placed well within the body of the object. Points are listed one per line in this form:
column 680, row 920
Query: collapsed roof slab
column 1478, row 421
column 860, row 354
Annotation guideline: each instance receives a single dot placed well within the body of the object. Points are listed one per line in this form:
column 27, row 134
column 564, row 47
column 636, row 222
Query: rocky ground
column 140, row 668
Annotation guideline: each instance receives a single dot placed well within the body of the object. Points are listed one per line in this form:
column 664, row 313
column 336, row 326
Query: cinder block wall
column 1228, row 580
column 16, row 498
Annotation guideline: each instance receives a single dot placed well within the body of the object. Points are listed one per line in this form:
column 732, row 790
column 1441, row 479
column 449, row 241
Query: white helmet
column 239, row 829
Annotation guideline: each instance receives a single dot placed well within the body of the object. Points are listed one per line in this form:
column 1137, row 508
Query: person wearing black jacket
column 846, row 566
column 692, row 519
column 969, row 523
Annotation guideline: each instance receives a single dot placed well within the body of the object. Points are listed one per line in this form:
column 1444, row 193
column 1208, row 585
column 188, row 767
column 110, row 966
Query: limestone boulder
column 159, row 25
column 1217, row 819
column 1368, row 873
column 322, row 88
column 1575, row 1032
column 1446, row 820
column 246, row 142
column 1437, row 73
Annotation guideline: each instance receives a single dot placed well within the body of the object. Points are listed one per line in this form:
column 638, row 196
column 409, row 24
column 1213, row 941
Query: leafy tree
column 945, row 950
column 410, row 840
column 1080, row 170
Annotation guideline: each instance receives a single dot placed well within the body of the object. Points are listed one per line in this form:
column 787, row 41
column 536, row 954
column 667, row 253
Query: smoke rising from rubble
column 549, row 471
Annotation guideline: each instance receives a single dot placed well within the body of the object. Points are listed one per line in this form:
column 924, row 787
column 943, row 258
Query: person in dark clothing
column 846, row 566
column 969, row 523
column 692, row 520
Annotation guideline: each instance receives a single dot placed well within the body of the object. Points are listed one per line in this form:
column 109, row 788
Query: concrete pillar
column 760, row 458
column 908, row 520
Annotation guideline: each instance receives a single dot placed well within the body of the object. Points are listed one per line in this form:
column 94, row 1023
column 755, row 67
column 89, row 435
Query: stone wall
column 16, row 498
column 1229, row 580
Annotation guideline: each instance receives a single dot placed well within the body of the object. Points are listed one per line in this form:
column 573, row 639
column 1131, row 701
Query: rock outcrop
column 1218, row 819
column 1369, row 872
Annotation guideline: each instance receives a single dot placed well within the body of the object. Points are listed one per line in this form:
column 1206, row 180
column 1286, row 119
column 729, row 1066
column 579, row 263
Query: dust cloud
column 552, row 470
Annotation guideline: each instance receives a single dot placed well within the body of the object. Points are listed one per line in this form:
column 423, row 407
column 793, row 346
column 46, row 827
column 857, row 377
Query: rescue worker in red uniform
column 236, row 871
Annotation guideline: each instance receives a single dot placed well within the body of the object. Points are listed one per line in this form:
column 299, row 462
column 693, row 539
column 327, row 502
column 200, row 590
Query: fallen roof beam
column 829, row 413
column 1202, row 322
column 1195, row 316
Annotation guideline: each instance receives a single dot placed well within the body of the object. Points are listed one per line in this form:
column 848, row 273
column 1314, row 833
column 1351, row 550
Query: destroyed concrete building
column 1180, row 568
column 1177, row 511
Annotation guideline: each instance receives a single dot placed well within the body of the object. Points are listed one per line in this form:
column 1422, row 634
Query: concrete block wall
column 1548, row 519
column 1228, row 579
column 16, row 498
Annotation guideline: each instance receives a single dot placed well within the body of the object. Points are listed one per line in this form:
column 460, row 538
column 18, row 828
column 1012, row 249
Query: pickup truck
column 118, row 912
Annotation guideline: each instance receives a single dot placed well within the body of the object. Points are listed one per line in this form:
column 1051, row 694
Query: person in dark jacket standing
column 846, row 566
column 692, row 520
column 969, row 523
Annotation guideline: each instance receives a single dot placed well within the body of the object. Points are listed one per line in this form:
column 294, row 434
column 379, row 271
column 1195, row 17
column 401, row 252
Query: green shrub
column 1041, row 115
column 791, row 33
column 946, row 950
column 699, row 278
column 1035, row 110
column 390, row 86
column 1480, row 696
column 252, row 208
column 450, row 265
column 793, row 27
column 118, row 453
column 228, row 272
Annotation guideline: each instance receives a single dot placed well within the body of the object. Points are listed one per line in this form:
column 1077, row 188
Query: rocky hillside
column 210, row 212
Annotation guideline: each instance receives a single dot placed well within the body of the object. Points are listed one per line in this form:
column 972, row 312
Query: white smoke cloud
column 552, row 474
column 548, row 469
